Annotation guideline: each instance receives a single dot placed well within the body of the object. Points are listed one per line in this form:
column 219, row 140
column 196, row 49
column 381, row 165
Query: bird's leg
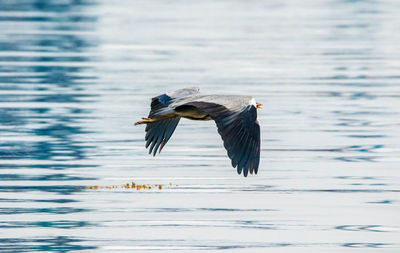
column 144, row 121
column 155, row 119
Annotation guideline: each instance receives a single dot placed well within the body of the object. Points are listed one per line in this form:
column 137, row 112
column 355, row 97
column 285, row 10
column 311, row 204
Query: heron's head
column 255, row 104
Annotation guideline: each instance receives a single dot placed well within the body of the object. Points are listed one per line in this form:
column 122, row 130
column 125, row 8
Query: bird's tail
column 144, row 121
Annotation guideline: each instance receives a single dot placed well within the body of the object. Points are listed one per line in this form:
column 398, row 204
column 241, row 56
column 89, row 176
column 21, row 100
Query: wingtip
column 239, row 170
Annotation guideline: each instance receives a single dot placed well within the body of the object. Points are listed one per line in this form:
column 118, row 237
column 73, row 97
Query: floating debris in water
column 132, row 185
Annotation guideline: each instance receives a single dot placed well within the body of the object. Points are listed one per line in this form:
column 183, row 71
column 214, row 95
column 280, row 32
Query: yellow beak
column 258, row 106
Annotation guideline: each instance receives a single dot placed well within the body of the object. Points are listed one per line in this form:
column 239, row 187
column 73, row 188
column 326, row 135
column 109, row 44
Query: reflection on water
column 75, row 75
column 56, row 244
column 41, row 93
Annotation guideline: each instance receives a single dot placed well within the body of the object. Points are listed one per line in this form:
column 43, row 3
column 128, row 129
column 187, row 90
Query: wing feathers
column 240, row 132
column 159, row 132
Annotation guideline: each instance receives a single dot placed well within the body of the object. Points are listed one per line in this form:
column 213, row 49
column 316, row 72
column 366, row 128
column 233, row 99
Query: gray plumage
column 235, row 117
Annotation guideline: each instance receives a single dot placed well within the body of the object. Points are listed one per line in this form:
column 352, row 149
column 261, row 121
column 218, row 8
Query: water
column 75, row 75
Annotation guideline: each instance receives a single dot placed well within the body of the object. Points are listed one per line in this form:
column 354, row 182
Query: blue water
column 76, row 75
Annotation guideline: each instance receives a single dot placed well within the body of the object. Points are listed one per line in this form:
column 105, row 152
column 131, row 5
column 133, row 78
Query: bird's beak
column 258, row 106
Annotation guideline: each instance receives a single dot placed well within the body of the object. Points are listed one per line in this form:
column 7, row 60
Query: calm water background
column 75, row 75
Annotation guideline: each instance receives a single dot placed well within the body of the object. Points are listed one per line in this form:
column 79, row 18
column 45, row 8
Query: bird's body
column 235, row 116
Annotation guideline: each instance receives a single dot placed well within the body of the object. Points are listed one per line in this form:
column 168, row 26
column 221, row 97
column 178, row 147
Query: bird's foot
column 144, row 121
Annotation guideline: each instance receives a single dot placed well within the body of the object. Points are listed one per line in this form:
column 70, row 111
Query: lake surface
column 75, row 75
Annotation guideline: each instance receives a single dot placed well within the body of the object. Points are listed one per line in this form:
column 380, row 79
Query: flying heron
column 235, row 117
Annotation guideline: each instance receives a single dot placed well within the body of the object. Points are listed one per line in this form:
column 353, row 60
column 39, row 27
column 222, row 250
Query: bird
column 234, row 115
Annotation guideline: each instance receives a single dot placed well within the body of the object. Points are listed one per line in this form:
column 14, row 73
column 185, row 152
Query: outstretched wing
column 240, row 132
column 158, row 133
